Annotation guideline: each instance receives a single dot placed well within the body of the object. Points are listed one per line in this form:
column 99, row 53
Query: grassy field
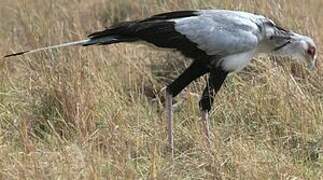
column 97, row 112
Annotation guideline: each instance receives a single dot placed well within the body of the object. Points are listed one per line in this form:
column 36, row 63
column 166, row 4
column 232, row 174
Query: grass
column 97, row 112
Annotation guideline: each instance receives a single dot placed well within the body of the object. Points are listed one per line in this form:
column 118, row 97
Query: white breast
column 237, row 62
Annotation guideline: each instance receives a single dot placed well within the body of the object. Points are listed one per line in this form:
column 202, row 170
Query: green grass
column 97, row 112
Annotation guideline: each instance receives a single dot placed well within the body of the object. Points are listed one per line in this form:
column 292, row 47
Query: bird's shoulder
column 221, row 31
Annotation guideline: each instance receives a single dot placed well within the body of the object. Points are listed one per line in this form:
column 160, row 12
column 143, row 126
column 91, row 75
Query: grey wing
column 220, row 35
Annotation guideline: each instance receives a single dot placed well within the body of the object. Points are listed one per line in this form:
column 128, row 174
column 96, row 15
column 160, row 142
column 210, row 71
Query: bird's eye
column 311, row 51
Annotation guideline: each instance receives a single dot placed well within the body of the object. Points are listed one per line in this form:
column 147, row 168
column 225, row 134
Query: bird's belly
column 236, row 62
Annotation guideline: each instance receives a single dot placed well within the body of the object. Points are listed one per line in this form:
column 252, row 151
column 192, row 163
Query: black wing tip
column 15, row 54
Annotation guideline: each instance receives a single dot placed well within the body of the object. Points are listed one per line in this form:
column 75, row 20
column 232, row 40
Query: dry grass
column 94, row 113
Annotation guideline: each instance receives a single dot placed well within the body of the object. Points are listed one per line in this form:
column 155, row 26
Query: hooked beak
column 311, row 63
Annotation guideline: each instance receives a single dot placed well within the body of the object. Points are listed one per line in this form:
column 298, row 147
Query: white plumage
column 221, row 32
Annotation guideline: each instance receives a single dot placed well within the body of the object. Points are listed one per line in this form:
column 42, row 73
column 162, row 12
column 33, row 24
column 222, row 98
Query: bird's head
column 283, row 42
column 300, row 47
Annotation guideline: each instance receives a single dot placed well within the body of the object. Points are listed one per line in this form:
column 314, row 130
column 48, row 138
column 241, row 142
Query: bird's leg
column 170, row 122
column 216, row 79
column 205, row 105
column 194, row 71
column 206, row 125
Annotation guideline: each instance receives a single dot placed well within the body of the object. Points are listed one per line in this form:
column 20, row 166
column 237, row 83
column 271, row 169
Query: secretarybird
column 218, row 41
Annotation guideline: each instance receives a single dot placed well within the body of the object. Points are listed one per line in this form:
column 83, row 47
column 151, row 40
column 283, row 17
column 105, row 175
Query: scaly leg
column 170, row 122
column 216, row 79
column 194, row 71
column 206, row 123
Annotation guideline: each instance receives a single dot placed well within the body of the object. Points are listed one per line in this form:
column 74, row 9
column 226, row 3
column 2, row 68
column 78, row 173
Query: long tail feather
column 86, row 42
column 75, row 43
